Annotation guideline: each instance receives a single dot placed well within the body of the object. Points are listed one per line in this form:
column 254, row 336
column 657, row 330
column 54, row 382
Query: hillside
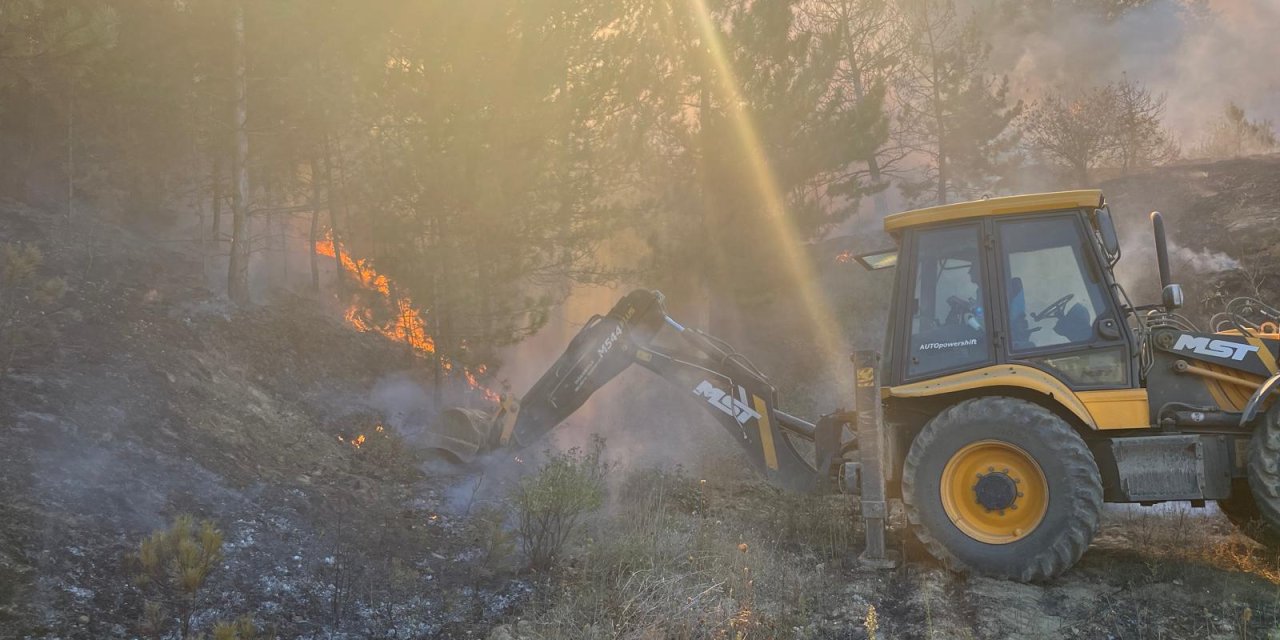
column 149, row 396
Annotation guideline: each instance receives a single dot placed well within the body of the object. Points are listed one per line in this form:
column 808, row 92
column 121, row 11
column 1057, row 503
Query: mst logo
column 1216, row 348
column 736, row 408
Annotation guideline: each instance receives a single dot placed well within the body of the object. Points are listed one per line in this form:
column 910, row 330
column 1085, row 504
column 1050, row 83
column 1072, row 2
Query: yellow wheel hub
column 994, row 492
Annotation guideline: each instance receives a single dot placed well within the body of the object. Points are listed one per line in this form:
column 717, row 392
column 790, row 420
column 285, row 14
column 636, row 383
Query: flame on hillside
column 406, row 324
column 845, row 257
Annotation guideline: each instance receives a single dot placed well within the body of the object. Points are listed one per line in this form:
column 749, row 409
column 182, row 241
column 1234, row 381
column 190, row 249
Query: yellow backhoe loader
column 1019, row 389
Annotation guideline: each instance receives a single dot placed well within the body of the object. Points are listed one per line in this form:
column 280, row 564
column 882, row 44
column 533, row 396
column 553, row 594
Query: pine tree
column 955, row 114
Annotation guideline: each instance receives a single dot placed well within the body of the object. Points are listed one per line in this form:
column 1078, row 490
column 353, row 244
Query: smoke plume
column 1201, row 53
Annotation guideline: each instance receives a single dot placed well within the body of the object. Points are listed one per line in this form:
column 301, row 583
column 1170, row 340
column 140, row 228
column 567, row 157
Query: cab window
column 949, row 328
column 1054, row 297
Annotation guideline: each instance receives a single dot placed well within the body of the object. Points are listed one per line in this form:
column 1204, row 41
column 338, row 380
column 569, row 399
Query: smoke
column 645, row 420
column 1200, row 53
column 1204, row 260
column 404, row 405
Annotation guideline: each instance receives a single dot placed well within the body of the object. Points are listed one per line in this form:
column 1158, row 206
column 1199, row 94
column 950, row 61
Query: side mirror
column 1107, row 231
column 1171, row 296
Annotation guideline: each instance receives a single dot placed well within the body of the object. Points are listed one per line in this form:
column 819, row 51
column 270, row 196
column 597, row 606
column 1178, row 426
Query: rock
column 525, row 630
column 84, row 619
column 501, row 632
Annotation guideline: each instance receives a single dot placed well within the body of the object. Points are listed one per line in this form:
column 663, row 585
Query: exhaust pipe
column 1162, row 249
column 1170, row 293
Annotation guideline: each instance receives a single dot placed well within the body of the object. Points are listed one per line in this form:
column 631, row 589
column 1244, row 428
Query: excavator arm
column 735, row 393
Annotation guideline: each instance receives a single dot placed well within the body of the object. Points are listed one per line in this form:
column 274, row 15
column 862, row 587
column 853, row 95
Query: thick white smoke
column 1201, row 53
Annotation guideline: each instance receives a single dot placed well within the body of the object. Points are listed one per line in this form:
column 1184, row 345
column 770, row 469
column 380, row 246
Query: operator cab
column 1023, row 279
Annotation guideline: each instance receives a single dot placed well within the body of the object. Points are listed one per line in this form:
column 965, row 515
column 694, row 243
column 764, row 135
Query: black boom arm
column 732, row 389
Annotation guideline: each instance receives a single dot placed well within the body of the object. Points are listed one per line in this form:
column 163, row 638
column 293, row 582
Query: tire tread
column 1082, row 473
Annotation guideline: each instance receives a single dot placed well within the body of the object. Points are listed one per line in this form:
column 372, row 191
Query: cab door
column 1057, row 312
column 942, row 293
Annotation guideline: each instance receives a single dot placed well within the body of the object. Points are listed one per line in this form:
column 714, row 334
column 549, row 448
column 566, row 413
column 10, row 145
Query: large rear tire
column 1257, row 512
column 1002, row 487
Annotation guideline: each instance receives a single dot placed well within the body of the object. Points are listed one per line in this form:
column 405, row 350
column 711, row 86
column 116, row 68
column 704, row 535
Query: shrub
column 173, row 566
column 241, row 629
column 496, row 542
column 552, row 503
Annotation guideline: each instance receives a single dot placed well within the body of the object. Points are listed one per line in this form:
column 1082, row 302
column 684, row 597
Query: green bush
column 551, row 504
column 173, row 567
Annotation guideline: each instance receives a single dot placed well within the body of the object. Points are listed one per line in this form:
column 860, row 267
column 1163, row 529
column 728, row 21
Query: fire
column 360, row 439
column 407, row 326
column 844, row 257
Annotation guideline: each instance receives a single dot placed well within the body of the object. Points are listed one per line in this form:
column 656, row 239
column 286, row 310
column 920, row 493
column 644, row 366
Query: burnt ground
column 150, row 397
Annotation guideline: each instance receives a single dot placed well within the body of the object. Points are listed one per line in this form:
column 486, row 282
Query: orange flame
column 407, row 326
column 844, row 257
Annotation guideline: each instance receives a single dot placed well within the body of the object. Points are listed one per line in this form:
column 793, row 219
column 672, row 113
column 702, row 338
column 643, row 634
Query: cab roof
column 1007, row 205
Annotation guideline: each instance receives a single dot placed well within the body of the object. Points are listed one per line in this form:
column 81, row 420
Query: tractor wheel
column 1002, row 487
column 1257, row 513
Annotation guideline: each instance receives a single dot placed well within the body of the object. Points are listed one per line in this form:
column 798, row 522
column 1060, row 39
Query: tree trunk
column 314, row 235
column 873, row 160
column 938, row 116
column 238, row 269
column 333, row 214
column 71, row 157
column 216, row 180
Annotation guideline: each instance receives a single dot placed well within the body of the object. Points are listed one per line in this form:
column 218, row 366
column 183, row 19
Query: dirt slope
column 155, row 399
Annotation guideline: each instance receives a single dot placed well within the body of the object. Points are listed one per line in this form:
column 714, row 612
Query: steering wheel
column 1056, row 310
column 959, row 307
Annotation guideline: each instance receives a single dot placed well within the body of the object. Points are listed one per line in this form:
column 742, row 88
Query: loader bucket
column 462, row 434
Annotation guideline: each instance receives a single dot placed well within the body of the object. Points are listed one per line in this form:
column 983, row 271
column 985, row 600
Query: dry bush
column 659, row 567
column 551, row 504
column 497, row 543
column 649, row 492
column 240, row 629
column 1233, row 134
column 26, row 298
column 819, row 525
column 1181, row 542
column 173, row 567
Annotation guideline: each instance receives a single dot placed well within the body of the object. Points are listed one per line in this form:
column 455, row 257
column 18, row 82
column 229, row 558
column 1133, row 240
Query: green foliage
column 954, row 112
column 551, row 504
column 26, row 298
column 173, row 566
